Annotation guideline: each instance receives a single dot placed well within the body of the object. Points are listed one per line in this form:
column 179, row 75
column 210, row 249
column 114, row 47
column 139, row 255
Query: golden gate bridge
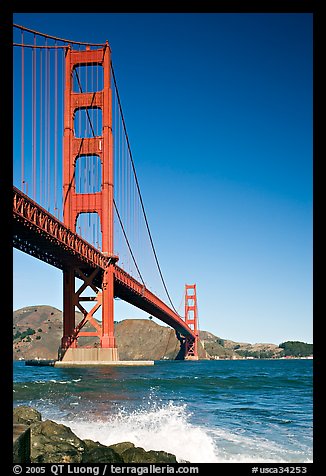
column 77, row 201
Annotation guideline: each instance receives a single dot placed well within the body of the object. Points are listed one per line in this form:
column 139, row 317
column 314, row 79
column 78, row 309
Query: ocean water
column 203, row 412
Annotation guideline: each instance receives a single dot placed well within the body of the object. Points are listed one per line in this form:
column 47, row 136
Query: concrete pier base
column 82, row 357
column 99, row 363
column 81, row 354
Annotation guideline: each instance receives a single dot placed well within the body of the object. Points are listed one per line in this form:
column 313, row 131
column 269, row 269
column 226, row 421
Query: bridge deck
column 40, row 234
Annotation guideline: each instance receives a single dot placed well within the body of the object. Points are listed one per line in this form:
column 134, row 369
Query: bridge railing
column 35, row 216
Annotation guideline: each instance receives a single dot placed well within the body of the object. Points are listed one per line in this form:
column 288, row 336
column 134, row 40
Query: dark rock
column 55, row 443
column 21, row 443
column 139, row 455
column 51, row 442
column 121, row 447
column 95, row 452
column 25, row 415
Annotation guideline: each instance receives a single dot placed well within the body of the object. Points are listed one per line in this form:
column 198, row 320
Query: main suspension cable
column 127, row 241
column 138, row 189
column 63, row 40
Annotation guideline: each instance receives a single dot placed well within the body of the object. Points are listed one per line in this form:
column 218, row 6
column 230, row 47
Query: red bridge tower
column 99, row 202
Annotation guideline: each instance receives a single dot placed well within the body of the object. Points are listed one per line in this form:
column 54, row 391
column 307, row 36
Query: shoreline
column 40, row 361
column 44, row 441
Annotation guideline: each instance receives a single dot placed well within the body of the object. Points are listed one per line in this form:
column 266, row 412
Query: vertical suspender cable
column 38, row 123
column 117, row 183
column 49, row 131
column 63, row 82
column 79, row 161
column 34, row 118
column 128, row 197
column 123, row 181
column 80, row 177
column 88, row 180
column 46, row 126
column 117, row 155
column 55, row 128
column 135, row 217
column 23, row 117
column 41, row 133
column 95, row 159
column 97, row 181
column 127, row 202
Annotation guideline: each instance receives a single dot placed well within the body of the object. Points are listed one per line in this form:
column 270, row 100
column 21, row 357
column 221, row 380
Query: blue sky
column 218, row 110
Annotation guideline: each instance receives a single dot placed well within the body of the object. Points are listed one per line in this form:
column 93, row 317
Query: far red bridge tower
column 191, row 318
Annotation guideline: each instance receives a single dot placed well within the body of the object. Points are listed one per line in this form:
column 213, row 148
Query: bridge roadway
column 40, row 234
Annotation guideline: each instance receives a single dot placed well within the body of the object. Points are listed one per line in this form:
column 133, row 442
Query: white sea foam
column 62, row 382
column 159, row 428
column 168, row 427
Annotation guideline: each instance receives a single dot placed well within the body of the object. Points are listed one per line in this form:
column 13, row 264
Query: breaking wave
column 167, row 427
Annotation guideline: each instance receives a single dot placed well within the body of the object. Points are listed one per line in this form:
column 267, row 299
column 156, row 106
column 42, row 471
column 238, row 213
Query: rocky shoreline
column 45, row 441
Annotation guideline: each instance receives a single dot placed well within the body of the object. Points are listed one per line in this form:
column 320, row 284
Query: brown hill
column 214, row 346
column 139, row 339
column 37, row 332
column 46, row 322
